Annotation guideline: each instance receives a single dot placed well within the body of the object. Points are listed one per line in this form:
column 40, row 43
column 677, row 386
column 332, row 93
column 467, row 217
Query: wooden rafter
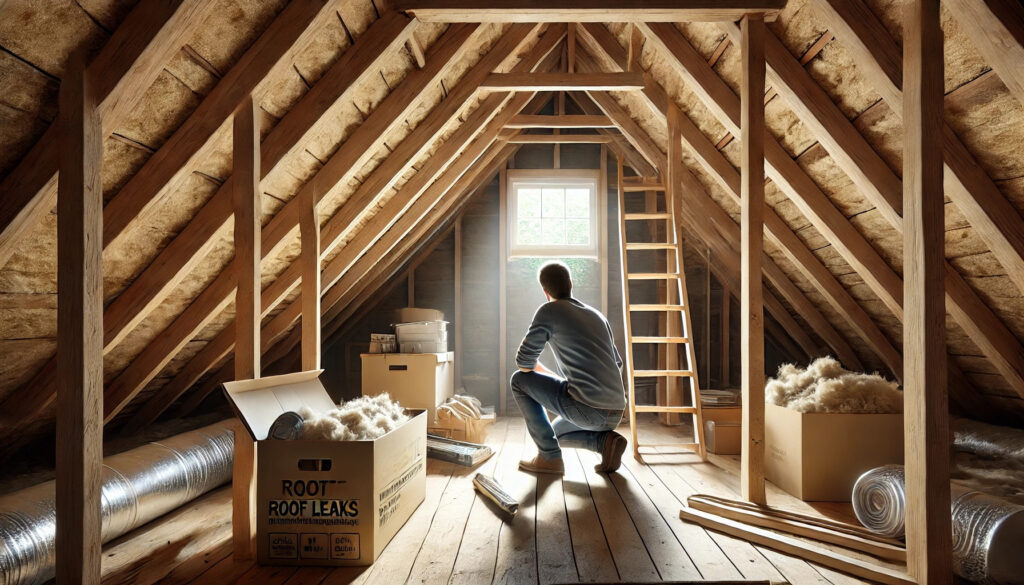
column 609, row 53
column 997, row 29
column 826, row 122
column 191, row 142
column 180, row 256
column 561, row 139
column 217, row 348
column 128, row 64
column 587, row 10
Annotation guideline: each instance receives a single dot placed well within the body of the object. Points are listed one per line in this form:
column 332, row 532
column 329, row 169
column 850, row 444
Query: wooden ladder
column 675, row 328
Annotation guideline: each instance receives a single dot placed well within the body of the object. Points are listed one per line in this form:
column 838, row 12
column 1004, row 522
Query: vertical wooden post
column 502, row 301
column 726, row 317
column 79, row 331
column 411, row 288
column 458, row 302
column 926, row 409
column 246, row 180
column 602, row 202
column 751, row 245
column 309, row 231
column 674, row 263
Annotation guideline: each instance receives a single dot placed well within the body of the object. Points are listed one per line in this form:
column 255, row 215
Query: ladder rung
column 642, row 339
column 691, row 446
column 656, row 307
column 662, row 373
column 651, row 215
column 652, row 276
column 649, row 246
column 641, row 187
column 669, row 409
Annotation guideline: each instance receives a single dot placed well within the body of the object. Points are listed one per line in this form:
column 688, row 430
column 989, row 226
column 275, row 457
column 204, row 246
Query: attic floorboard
column 581, row 528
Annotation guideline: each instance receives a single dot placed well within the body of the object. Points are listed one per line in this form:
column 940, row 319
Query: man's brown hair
column 555, row 278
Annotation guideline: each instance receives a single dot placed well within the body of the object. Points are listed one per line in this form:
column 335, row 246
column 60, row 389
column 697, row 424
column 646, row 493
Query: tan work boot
column 541, row 465
column 611, row 454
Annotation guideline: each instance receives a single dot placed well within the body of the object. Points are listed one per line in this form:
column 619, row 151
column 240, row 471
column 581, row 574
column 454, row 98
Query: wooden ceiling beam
column 996, row 27
column 563, row 82
column 191, row 245
column 566, row 121
column 826, row 122
column 588, row 10
column 974, row 193
column 167, row 169
column 122, row 71
column 414, row 146
column 723, row 171
column 387, row 115
column 561, row 139
column 714, row 223
column 285, row 221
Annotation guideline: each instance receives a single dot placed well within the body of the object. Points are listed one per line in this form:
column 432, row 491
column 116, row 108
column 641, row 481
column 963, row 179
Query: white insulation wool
column 825, row 386
column 360, row 419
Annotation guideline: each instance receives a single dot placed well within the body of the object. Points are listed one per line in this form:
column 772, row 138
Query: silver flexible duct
column 987, row 531
column 138, row 486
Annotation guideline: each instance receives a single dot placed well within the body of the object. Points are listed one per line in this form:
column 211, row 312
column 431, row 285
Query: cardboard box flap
column 259, row 402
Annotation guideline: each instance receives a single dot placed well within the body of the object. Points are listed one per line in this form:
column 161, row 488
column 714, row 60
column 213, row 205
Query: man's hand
column 539, row 368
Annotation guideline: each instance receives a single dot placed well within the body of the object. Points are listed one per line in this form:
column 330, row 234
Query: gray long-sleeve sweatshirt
column 582, row 342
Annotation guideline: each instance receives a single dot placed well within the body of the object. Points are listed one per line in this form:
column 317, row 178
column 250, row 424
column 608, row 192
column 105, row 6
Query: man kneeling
column 590, row 401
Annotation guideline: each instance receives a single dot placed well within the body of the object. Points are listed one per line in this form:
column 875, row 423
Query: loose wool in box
column 360, row 419
column 825, row 386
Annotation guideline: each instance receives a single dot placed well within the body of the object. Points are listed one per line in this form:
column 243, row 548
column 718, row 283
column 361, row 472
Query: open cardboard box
column 818, row 456
column 332, row 503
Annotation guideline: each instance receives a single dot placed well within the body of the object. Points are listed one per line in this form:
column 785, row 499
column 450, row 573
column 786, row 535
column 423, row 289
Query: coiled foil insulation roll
column 138, row 486
column 988, row 532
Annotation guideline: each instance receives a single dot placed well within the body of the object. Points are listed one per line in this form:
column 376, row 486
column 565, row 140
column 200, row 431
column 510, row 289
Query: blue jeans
column 578, row 425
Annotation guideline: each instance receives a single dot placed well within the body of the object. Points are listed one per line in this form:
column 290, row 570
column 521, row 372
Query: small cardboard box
column 722, row 414
column 330, row 503
column 818, row 456
column 473, row 430
column 414, row 380
column 722, row 438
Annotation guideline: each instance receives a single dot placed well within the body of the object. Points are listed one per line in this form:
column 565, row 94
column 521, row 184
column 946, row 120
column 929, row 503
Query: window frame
column 563, row 178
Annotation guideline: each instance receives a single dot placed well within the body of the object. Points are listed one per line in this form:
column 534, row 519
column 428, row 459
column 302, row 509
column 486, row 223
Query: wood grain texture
column 79, row 331
column 563, row 82
column 996, row 28
column 752, row 133
column 587, row 11
column 247, row 197
column 309, row 228
column 126, row 66
column 926, row 406
column 563, row 121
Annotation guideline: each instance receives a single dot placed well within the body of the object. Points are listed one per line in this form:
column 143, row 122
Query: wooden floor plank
column 670, row 558
column 583, row 527
column 517, row 555
column 147, row 555
column 478, row 550
column 555, row 561
column 709, row 558
column 632, row 560
column 436, row 559
column 590, row 547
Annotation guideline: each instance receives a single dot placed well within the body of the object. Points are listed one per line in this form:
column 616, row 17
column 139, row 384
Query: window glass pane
column 577, row 232
column 577, row 203
column 529, row 202
column 554, row 202
column 554, row 231
column 529, row 232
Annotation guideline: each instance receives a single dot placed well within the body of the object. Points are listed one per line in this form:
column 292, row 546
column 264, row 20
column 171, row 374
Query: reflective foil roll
column 988, row 538
column 879, row 500
column 137, row 486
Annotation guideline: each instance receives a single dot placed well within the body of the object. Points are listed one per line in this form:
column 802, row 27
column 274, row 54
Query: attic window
column 553, row 213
